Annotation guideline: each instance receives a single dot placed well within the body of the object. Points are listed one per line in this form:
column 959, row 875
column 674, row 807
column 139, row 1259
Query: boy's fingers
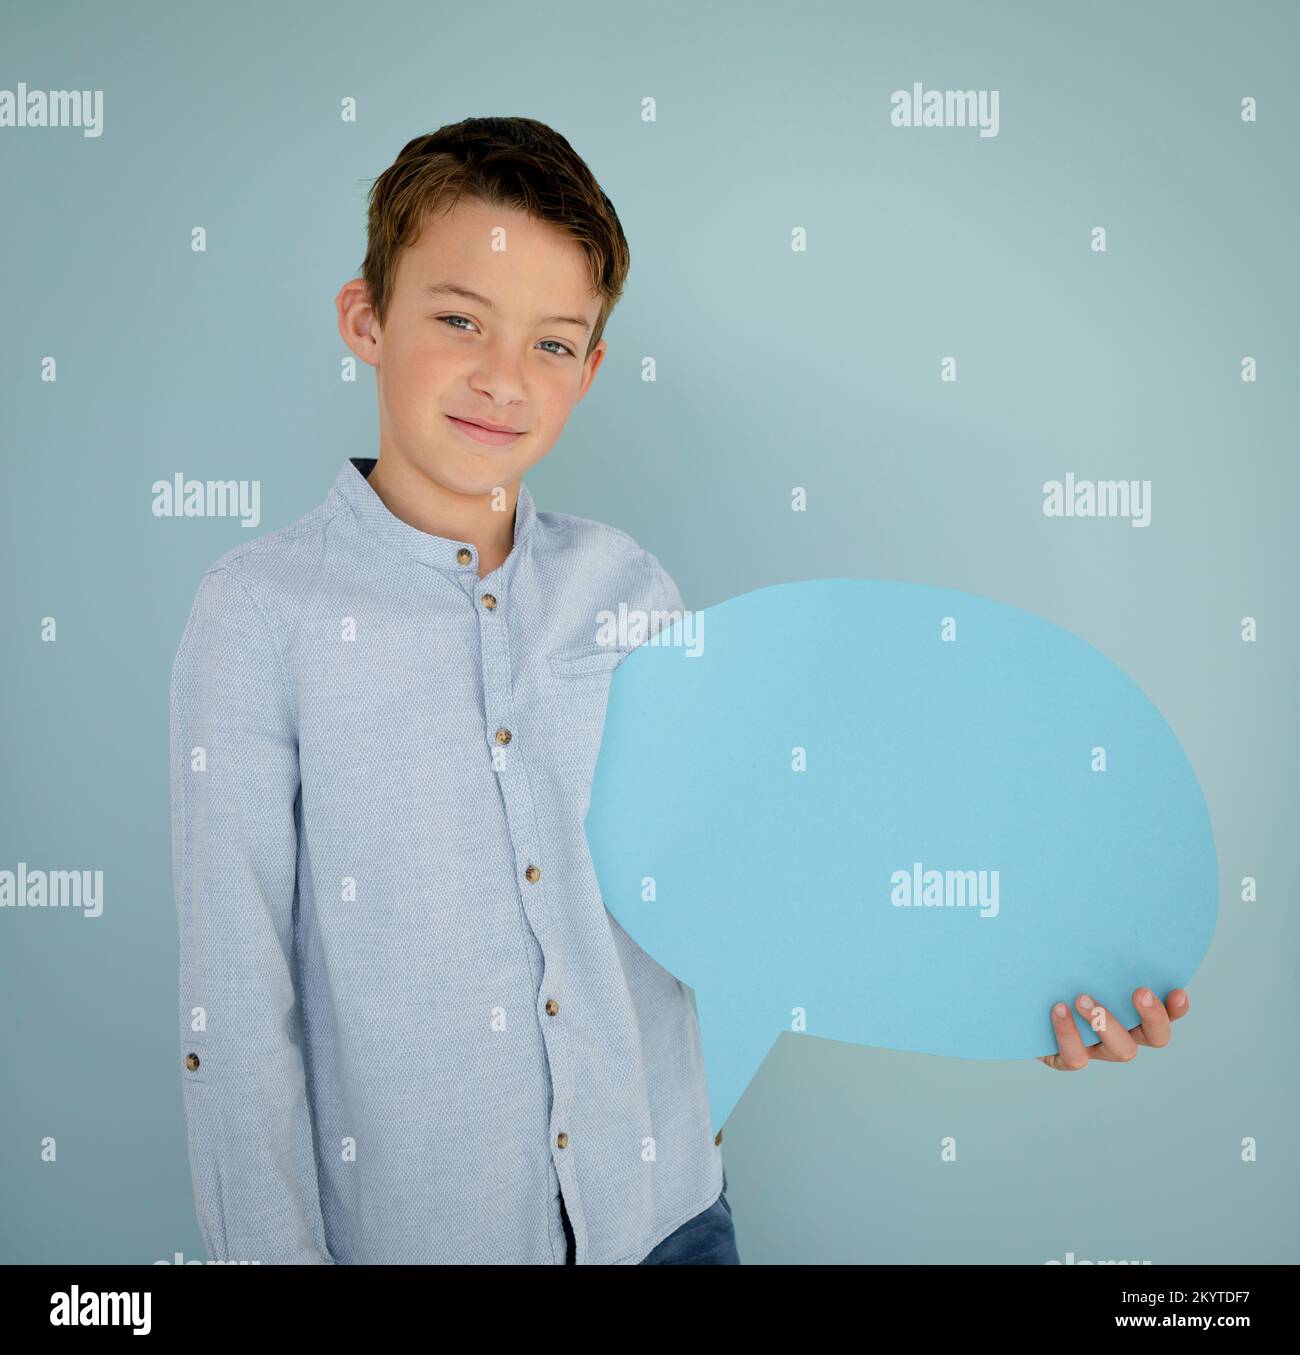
column 1072, row 1055
column 1118, row 1044
column 1154, row 1029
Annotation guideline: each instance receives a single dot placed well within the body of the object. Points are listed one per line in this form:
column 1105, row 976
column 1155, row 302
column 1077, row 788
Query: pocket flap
column 590, row 659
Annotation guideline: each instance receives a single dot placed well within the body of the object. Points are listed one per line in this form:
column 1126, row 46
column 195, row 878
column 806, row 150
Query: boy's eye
column 565, row 351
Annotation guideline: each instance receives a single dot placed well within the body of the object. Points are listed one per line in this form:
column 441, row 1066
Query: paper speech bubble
column 894, row 815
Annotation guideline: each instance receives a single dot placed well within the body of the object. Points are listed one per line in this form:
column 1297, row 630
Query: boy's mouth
column 490, row 437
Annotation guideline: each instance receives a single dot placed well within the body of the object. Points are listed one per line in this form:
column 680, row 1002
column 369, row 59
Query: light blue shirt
column 408, row 1021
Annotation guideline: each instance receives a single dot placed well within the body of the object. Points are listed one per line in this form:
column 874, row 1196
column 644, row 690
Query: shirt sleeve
column 234, row 793
column 667, row 606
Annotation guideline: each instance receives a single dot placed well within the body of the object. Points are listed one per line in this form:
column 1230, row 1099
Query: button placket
column 521, row 821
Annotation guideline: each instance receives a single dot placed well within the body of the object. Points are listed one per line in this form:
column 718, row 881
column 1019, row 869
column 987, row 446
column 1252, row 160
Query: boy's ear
column 594, row 359
column 357, row 324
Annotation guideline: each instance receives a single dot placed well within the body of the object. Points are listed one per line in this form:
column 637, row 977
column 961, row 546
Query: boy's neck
column 426, row 505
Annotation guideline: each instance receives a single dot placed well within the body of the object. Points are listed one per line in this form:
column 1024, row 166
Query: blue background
column 775, row 369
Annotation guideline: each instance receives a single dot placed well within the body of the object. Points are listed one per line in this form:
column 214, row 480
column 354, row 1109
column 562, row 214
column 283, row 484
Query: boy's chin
column 477, row 475
column 472, row 472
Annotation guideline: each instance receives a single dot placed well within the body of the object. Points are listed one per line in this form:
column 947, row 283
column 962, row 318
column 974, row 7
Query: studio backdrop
column 896, row 270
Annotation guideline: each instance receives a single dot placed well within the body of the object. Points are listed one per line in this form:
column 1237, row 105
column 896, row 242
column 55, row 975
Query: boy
column 411, row 1032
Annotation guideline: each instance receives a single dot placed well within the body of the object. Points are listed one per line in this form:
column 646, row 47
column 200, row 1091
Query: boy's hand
column 1117, row 1044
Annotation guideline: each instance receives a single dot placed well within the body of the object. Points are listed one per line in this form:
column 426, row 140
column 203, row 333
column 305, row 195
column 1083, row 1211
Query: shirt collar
column 353, row 486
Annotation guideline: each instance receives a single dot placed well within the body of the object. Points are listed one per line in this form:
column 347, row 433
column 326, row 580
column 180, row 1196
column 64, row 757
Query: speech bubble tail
column 734, row 1048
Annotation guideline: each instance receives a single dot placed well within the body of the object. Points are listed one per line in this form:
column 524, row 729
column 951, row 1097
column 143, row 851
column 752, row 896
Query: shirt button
column 561, row 1139
column 532, row 874
column 489, row 601
column 552, row 1006
column 463, row 556
column 503, row 736
column 191, row 1061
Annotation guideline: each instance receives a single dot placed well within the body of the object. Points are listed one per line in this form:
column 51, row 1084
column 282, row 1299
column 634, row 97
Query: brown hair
column 504, row 162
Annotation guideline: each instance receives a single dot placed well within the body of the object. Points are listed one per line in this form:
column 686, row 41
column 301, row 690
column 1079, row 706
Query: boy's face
column 512, row 356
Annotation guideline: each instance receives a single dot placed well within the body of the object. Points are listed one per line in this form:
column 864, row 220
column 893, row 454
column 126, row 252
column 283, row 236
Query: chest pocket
column 591, row 659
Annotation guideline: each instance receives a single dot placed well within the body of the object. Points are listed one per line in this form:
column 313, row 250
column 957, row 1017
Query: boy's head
column 502, row 208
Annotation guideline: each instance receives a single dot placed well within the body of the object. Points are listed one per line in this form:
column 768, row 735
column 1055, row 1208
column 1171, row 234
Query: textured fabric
column 396, row 1046
column 709, row 1239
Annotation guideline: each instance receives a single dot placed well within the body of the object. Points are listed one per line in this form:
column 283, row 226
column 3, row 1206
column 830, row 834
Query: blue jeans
column 706, row 1240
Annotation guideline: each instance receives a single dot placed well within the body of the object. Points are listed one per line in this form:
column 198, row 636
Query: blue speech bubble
column 987, row 816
